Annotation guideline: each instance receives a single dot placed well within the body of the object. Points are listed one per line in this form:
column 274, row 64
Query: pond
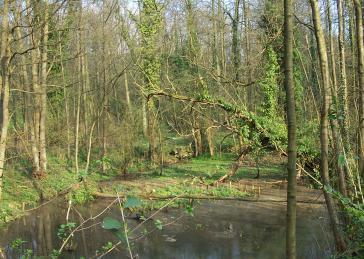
column 218, row 229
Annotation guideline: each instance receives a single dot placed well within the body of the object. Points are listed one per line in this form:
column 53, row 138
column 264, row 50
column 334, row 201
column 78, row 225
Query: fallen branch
column 235, row 166
column 283, row 153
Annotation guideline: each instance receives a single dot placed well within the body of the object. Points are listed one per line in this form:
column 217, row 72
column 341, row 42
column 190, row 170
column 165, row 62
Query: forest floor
column 190, row 179
column 198, row 179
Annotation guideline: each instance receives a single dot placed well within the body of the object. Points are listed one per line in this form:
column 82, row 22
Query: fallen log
column 235, row 166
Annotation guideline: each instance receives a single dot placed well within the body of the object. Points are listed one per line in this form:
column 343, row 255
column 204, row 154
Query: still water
column 218, row 229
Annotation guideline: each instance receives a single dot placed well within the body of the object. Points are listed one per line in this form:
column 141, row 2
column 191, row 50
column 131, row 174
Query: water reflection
column 218, row 230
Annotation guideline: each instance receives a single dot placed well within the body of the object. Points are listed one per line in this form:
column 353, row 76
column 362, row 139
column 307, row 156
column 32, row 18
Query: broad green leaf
column 110, row 223
column 132, row 202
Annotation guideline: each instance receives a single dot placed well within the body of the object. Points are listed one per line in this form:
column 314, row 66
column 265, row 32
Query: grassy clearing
column 190, row 178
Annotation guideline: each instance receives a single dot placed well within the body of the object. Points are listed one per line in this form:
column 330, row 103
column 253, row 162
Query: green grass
column 211, row 169
column 21, row 189
column 196, row 191
column 192, row 178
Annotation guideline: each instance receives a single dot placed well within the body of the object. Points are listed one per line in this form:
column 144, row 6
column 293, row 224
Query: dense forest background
column 113, row 85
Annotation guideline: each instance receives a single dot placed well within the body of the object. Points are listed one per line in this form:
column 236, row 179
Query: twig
column 156, row 212
column 164, row 225
column 125, row 226
column 138, row 226
column 68, row 210
column 79, row 226
column 73, row 187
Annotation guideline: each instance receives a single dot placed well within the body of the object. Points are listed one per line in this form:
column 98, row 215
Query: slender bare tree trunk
column 127, row 94
column 35, row 115
column 5, row 88
column 80, row 87
column 152, row 131
column 85, row 80
column 235, row 40
column 105, row 96
column 291, row 123
column 144, row 115
column 337, row 140
column 43, row 99
column 250, row 88
column 66, row 108
column 360, row 49
column 324, row 136
column 77, row 127
column 25, row 77
column 353, row 63
column 210, row 140
column 89, row 147
column 342, row 90
column 33, row 10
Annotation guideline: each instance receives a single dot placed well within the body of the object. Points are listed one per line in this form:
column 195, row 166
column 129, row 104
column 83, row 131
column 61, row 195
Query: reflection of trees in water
column 228, row 230
column 42, row 233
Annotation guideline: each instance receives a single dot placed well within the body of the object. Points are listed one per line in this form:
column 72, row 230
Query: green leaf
column 110, row 223
column 132, row 202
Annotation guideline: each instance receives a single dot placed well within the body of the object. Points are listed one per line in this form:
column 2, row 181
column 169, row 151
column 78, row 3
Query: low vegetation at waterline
column 175, row 102
column 195, row 178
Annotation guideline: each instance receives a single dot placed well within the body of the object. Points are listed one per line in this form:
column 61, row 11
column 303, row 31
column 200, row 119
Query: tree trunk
column 43, row 97
column 235, row 40
column 337, row 139
column 81, row 85
column 5, row 88
column 144, row 119
column 35, row 115
column 324, row 136
column 342, row 109
column 250, row 88
column 127, row 94
column 291, row 124
column 35, row 96
column 152, row 133
column 342, row 90
column 360, row 49
column 65, row 98
column 26, row 82
column 210, row 140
